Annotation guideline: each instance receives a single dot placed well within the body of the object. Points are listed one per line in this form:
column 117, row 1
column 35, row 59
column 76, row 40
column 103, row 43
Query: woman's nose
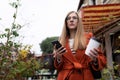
column 71, row 20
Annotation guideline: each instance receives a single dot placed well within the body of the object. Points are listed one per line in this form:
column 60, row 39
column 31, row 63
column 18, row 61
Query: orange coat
column 77, row 67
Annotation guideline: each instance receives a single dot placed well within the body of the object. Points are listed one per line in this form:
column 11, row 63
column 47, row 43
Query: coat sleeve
column 101, row 62
column 57, row 65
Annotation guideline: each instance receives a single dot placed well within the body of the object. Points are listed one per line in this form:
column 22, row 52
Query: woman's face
column 72, row 21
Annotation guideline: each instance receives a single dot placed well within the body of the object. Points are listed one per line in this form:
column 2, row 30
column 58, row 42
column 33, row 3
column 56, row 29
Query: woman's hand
column 93, row 54
column 59, row 52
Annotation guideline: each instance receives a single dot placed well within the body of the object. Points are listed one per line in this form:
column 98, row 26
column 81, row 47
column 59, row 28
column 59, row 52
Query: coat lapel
column 69, row 54
column 77, row 58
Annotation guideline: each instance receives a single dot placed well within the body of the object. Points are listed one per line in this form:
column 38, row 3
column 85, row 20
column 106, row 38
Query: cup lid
column 96, row 39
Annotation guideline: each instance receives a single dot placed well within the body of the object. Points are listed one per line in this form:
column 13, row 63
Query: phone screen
column 57, row 43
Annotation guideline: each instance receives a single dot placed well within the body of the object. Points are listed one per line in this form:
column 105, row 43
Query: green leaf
column 7, row 29
column 15, row 33
column 3, row 35
column 14, row 16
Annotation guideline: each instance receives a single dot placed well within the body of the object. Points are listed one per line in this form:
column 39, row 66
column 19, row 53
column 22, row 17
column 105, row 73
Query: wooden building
column 103, row 19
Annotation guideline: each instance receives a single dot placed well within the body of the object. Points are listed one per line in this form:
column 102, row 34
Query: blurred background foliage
column 46, row 46
column 16, row 60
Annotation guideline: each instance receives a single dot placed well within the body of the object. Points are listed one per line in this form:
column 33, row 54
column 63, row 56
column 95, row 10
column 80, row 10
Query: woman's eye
column 74, row 17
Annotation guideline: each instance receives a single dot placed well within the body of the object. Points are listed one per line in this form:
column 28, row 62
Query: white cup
column 93, row 43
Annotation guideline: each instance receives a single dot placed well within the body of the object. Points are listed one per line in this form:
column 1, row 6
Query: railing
column 44, row 77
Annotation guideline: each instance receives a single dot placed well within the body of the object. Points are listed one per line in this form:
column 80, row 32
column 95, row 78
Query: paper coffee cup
column 93, row 43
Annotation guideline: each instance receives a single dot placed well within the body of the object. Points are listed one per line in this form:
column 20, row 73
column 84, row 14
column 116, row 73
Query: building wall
column 98, row 2
column 108, row 1
column 115, row 1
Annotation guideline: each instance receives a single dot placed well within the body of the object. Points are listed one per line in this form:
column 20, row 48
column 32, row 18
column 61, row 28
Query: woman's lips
column 71, row 24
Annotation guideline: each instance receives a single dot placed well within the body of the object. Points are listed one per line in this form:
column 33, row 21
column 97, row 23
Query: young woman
column 74, row 64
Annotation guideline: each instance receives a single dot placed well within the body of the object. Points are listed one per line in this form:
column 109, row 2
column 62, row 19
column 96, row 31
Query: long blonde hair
column 79, row 40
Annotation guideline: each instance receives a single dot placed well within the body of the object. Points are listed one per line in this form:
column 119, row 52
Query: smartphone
column 57, row 43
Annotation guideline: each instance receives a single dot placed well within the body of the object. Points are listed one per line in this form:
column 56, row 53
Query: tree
column 46, row 46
